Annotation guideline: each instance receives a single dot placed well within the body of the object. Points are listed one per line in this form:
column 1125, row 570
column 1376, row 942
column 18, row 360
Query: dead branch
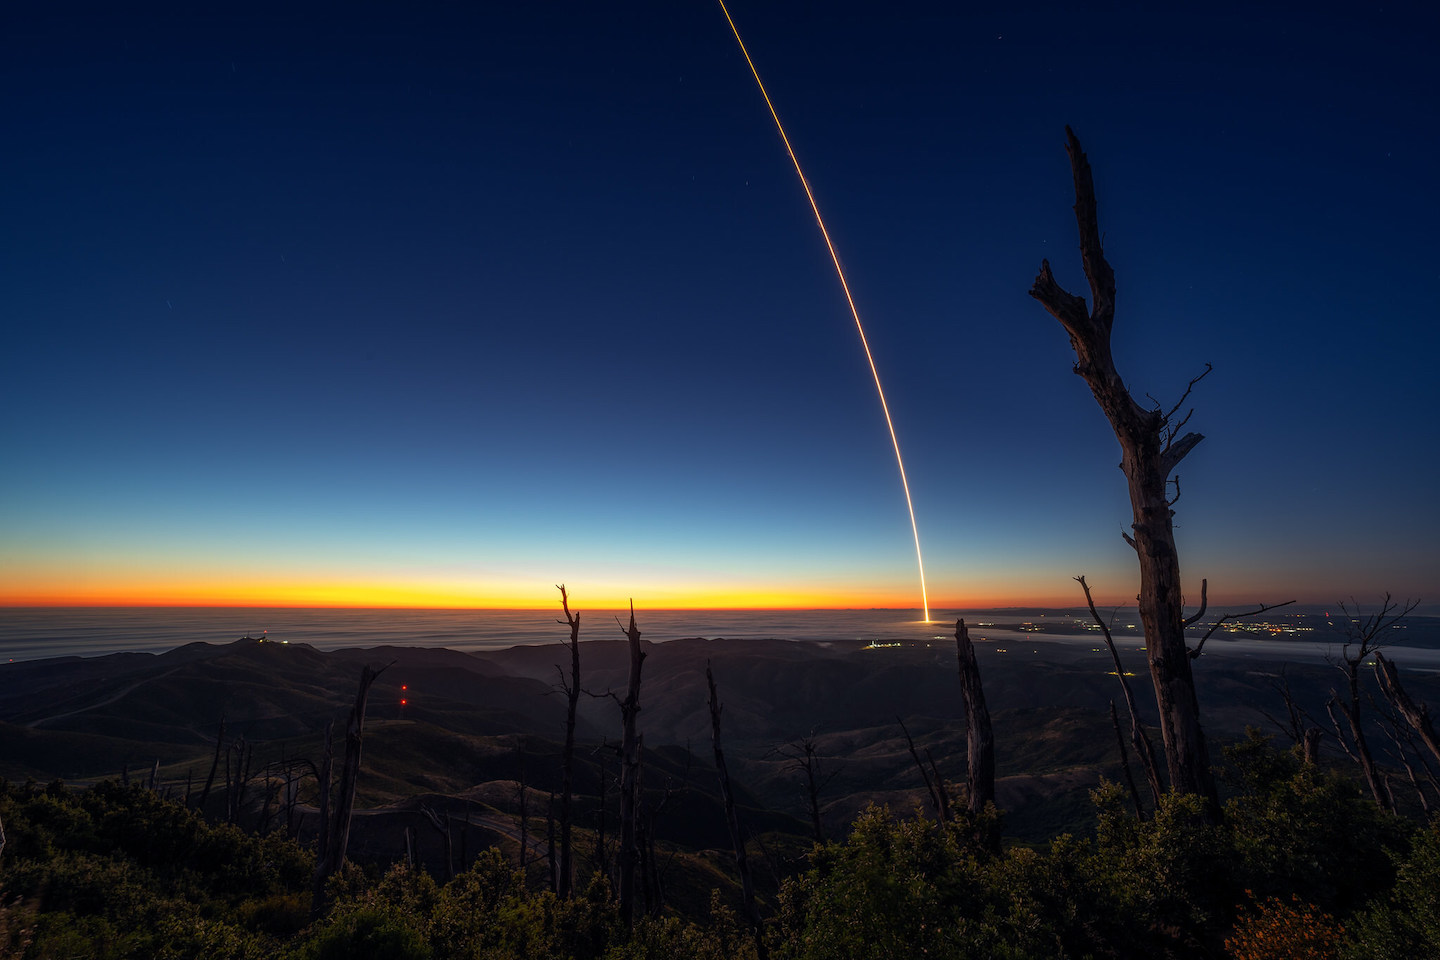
column 565, row 876
column 936, row 798
column 1263, row 608
column 732, row 819
column 1204, row 588
column 332, row 852
column 1417, row 715
column 979, row 736
column 1125, row 762
column 629, row 773
column 1143, row 750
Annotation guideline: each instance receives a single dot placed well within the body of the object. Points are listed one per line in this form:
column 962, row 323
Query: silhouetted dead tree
column 1297, row 725
column 1144, row 752
column 732, row 819
column 214, row 767
column 652, row 870
column 602, row 846
column 629, row 773
column 237, row 785
column 804, row 757
column 1364, row 637
column 552, row 864
column 1151, row 448
column 979, row 738
column 645, row 843
column 565, row 877
column 1402, row 747
column 522, row 793
column 934, row 786
column 1417, row 715
column 1227, row 618
column 1125, row 763
column 333, row 843
column 441, row 822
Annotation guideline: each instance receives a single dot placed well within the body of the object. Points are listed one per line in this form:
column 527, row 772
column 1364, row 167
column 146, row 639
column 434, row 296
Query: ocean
column 30, row 633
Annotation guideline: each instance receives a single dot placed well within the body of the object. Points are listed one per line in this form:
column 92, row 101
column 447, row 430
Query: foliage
column 1300, row 865
column 1300, row 830
column 1278, row 930
column 1405, row 923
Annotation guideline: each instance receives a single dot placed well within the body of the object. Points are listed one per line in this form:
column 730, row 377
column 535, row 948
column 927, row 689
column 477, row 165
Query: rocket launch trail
column 844, row 285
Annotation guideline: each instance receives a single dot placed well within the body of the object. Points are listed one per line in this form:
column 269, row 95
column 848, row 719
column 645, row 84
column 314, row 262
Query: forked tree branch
column 1231, row 617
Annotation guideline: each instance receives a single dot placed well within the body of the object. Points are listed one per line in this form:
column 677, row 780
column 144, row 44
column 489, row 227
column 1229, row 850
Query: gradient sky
column 444, row 306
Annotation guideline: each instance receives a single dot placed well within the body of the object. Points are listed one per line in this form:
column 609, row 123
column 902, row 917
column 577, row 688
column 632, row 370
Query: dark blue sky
column 446, row 306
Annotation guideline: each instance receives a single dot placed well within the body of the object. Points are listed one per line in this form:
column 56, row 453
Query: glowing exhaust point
column 844, row 285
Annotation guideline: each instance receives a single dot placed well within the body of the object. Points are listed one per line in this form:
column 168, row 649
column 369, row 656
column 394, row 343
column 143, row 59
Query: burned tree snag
column 440, row 820
column 1150, row 452
column 732, row 819
column 1125, row 762
column 934, row 787
column 979, row 738
column 1143, row 750
column 565, row 877
column 214, row 767
column 324, row 783
column 551, row 861
column 1417, row 715
column 1365, row 637
column 629, row 774
column 334, row 844
column 809, row 764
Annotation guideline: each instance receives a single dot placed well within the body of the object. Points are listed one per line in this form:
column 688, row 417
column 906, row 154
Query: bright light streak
column 844, row 285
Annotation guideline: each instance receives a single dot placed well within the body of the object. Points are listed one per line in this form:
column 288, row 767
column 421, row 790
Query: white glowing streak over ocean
column 844, row 285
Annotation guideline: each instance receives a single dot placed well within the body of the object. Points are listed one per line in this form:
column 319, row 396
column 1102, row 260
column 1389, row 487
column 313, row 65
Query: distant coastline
column 28, row 633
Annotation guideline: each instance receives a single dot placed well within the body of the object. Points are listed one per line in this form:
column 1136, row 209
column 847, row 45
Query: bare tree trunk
column 339, row 839
column 264, row 824
column 602, row 857
column 939, row 799
column 629, row 774
column 1150, row 451
column 643, row 839
column 732, row 819
column 441, row 823
column 1125, row 763
column 1351, row 712
column 524, row 807
column 236, row 789
column 214, row 766
column 552, row 863
column 1417, row 715
column 979, row 738
column 323, row 780
column 1143, row 750
column 465, row 839
column 812, row 787
column 565, row 879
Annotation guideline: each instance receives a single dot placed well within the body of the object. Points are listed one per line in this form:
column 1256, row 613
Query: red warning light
column 403, row 702
column 404, row 686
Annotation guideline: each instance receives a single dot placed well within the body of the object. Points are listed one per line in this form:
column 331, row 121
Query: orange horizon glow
column 399, row 598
